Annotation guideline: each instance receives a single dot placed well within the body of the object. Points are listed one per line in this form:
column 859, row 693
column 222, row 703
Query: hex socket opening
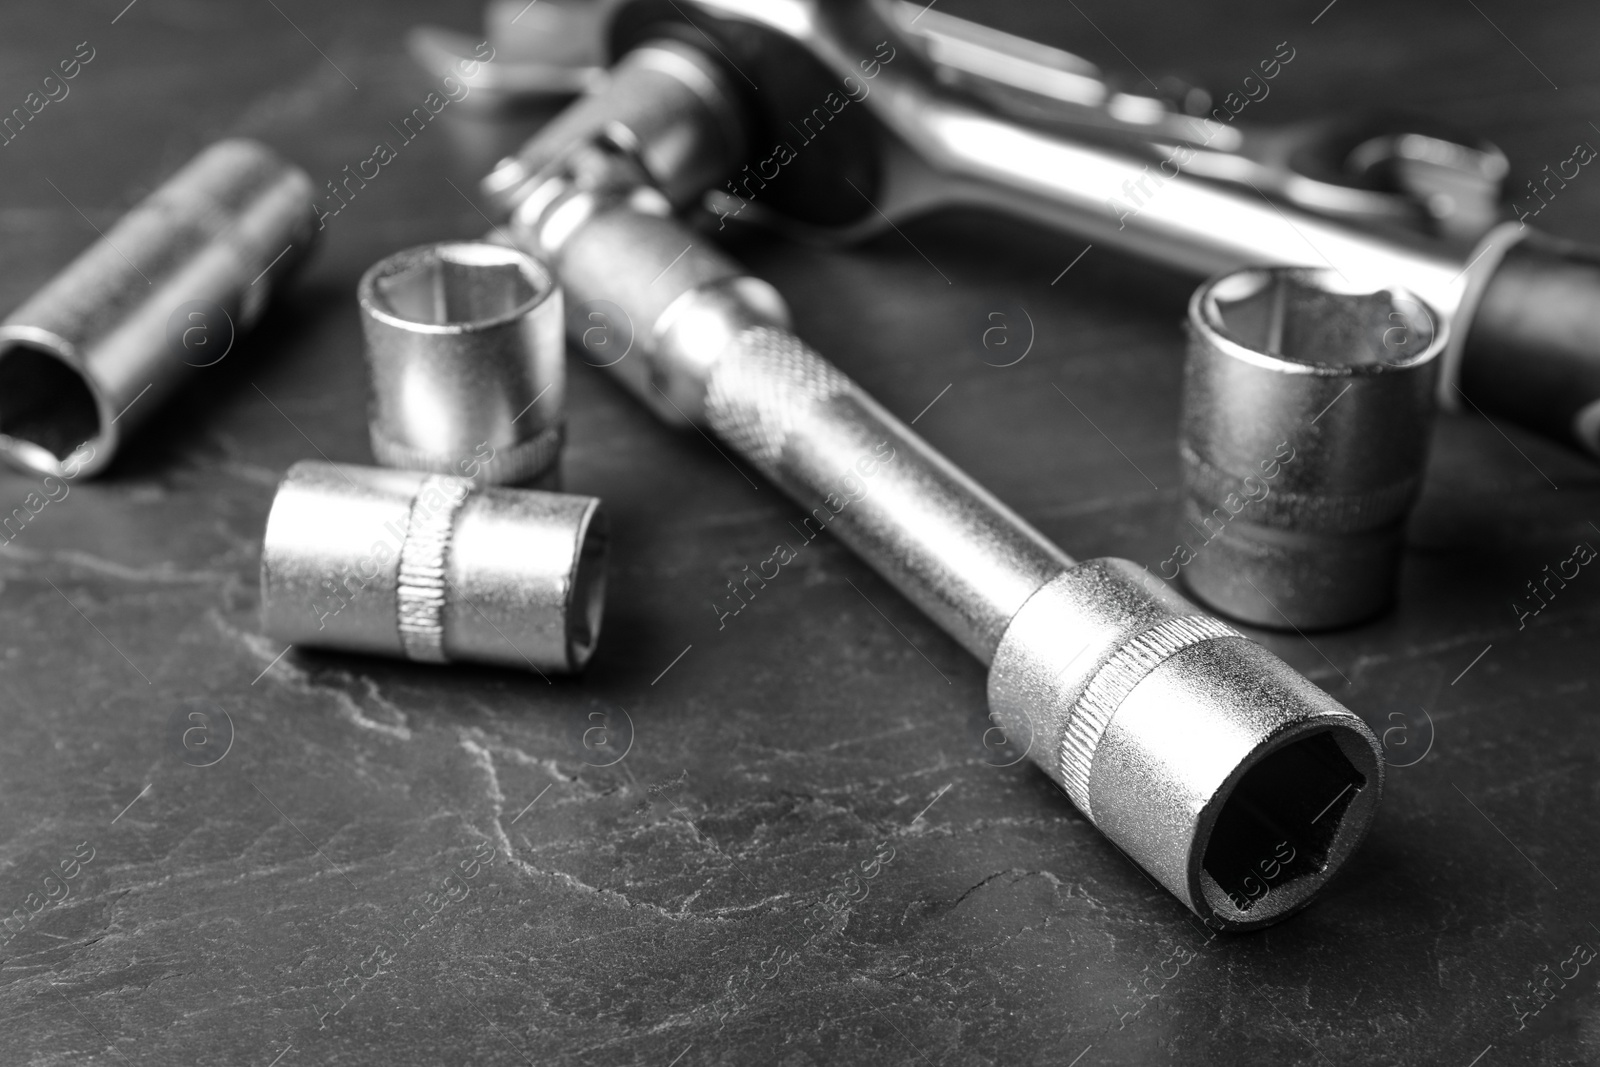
column 48, row 409
column 1307, row 408
column 1286, row 825
column 462, row 286
column 586, row 605
column 1319, row 318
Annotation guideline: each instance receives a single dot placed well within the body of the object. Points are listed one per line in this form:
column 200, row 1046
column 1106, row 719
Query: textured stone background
column 652, row 911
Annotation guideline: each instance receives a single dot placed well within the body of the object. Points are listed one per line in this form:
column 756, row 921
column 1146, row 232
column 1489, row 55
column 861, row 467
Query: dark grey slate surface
column 291, row 901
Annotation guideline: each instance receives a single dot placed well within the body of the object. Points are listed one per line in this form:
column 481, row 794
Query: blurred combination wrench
column 1380, row 168
column 837, row 118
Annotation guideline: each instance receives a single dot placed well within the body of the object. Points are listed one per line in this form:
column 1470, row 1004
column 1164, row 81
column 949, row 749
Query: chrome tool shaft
column 1197, row 751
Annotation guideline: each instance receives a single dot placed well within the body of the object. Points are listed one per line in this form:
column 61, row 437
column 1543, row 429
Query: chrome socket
column 94, row 353
column 1308, row 404
column 433, row 568
column 1232, row 780
column 465, row 348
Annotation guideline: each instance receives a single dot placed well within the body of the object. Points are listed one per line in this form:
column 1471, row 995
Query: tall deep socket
column 92, row 354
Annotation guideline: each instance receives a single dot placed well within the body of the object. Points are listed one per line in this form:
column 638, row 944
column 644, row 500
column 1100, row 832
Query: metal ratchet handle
column 1191, row 747
column 1441, row 184
column 1526, row 309
column 680, row 113
column 1526, row 340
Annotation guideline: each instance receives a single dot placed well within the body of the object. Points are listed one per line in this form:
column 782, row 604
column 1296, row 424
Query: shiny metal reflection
column 1308, row 406
column 433, row 568
column 466, row 350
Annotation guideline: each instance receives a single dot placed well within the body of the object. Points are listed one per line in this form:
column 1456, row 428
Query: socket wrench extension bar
column 1199, row 753
column 1525, row 308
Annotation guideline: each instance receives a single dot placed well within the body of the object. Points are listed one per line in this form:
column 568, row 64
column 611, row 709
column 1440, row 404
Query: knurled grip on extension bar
column 860, row 474
column 761, row 389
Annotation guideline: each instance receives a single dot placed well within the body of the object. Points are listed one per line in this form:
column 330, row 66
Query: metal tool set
column 1361, row 277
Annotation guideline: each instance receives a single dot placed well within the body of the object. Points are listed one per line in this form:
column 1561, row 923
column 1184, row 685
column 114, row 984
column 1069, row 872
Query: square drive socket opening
column 1281, row 819
column 44, row 404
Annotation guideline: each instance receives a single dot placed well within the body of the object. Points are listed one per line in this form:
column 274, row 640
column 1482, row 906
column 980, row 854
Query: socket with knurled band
column 432, row 568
